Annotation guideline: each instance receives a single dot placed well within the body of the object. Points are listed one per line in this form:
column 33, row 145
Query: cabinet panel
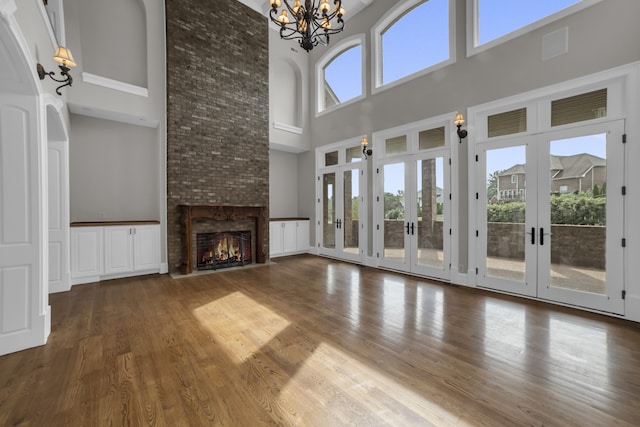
column 86, row 251
column 146, row 248
column 275, row 238
column 302, row 236
column 117, row 250
column 289, row 236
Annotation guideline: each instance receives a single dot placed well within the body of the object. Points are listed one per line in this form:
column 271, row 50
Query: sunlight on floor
column 357, row 389
column 328, row 386
column 240, row 323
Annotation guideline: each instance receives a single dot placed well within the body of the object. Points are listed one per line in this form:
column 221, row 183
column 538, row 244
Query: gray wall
column 601, row 37
column 113, row 171
column 283, row 184
column 121, row 54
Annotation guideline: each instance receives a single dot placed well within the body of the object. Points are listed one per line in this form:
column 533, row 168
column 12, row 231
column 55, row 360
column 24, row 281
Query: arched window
column 339, row 74
column 414, row 38
column 492, row 22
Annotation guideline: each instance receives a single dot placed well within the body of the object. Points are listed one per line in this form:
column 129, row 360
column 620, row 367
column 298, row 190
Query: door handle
column 412, row 228
column 541, row 236
column 338, row 223
column 533, row 235
column 407, row 227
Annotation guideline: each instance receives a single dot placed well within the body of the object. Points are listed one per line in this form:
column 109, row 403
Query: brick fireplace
column 217, row 118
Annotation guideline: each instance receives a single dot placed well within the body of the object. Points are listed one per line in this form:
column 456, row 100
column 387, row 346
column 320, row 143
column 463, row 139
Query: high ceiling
column 351, row 6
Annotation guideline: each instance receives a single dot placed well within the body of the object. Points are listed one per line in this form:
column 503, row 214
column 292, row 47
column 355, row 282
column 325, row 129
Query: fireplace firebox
column 223, row 249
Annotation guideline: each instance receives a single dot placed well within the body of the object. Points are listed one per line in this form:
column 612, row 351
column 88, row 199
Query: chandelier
column 310, row 24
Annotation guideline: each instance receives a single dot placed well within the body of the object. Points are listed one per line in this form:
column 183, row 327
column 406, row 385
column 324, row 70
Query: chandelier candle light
column 310, row 24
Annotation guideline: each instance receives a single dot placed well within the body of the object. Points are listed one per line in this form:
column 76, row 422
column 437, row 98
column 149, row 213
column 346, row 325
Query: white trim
column 473, row 26
column 330, row 55
column 116, row 116
column 287, row 128
column 376, row 56
column 114, row 84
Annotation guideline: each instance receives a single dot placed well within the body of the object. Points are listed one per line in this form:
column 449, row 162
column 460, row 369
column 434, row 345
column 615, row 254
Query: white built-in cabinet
column 288, row 237
column 110, row 251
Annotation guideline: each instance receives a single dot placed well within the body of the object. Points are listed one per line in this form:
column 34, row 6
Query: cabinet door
column 117, row 247
column 86, row 251
column 302, row 236
column 146, row 247
column 289, row 237
column 275, row 238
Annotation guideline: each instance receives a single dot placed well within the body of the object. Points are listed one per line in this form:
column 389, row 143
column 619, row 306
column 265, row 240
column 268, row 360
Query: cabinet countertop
column 108, row 223
column 288, row 219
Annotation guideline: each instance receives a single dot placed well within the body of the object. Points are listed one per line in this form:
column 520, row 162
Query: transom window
column 413, row 38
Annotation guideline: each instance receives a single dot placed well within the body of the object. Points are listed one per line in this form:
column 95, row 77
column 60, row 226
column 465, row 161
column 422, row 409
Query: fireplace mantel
column 221, row 213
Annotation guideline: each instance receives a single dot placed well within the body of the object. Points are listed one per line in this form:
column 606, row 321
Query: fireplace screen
column 226, row 249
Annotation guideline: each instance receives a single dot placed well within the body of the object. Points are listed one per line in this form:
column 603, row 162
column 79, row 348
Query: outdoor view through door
column 551, row 223
column 415, row 204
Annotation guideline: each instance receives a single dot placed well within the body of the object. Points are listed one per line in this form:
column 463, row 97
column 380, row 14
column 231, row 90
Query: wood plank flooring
column 308, row 341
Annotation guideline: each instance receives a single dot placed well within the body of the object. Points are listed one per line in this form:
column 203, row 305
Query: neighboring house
column 330, row 97
column 577, row 173
column 569, row 174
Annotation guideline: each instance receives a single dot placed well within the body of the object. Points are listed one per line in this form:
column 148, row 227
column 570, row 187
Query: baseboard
column 84, row 280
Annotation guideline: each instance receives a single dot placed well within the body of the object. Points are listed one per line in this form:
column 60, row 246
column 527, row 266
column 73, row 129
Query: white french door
column 413, row 214
column 340, row 226
column 550, row 218
column 341, row 202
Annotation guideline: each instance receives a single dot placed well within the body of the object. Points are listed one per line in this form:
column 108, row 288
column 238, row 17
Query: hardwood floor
column 314, row 342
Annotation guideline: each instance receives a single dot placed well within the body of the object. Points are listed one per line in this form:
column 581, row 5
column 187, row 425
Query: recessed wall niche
column 118, row 55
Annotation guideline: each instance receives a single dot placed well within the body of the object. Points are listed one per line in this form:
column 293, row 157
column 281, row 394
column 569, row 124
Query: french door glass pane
column 394, row 215
column 328, row 210
column 351, row 223
column 506, row 197
column 578, row 201
column 430, row 181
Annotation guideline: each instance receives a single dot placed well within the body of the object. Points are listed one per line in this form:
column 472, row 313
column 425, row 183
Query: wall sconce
column 65, row 59
column 459, row 121
column 365, row 147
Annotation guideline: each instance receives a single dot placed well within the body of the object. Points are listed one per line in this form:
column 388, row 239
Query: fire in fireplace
column 225, row 249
